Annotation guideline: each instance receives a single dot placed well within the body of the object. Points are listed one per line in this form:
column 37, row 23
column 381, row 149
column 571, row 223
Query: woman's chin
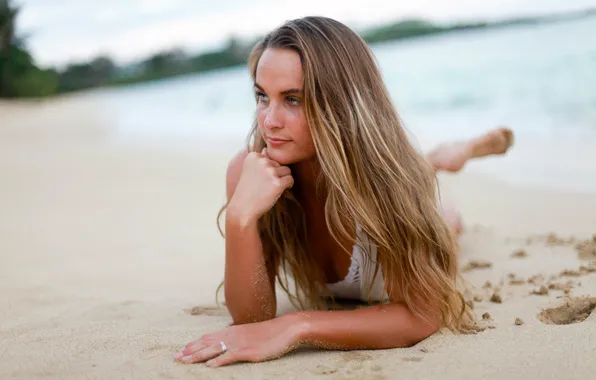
column 279, row 156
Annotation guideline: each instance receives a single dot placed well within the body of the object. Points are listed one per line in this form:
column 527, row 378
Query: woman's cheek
column 261, row 120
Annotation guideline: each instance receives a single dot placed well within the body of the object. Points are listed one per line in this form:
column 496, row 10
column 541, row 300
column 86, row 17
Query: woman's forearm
column 249, row 292
column 375, row 327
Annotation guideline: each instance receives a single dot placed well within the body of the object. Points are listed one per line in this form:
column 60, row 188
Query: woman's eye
column 293, row 101
column 261, row 97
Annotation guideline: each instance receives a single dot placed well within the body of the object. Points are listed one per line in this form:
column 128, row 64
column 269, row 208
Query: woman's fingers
column 203, row 354
column 282, row 171
column 287, row 181
column 192, row 348
column 266, row 155
column 189, row 349
column 230, row 357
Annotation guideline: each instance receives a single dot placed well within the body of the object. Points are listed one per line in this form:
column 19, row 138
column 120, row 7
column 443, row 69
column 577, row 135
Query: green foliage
column 98, row 72
column 36, row 83
column 403, row 29
column 158, row 66
column 19, row 76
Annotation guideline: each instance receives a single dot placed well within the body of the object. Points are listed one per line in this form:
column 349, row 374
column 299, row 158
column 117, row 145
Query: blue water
column 539, row 80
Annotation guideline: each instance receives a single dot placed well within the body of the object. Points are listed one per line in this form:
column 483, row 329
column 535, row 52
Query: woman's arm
column 382, row 326
column 375, row 327
column 248, row 284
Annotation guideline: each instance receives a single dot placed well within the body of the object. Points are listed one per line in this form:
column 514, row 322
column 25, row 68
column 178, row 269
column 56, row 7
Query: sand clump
column 550, row 239
column 476, row 264
column 518, row 322
column 513, row 280
column 581, row 271
column 586, row 250
column 553, row 240
column 590, row 268
column 536, row 279
column 496, row 297
column 541, row 291
column 574, row 310
column 565, row 288
column 519, row 254
column 570, row 273
column 211, row 311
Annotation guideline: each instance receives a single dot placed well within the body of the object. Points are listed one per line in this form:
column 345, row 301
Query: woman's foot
column 452, row 157
column 453, row 219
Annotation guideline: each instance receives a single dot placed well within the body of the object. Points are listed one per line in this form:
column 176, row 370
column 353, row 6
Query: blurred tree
column 165, row 63
column 103, row 68
column 19, row 77
column 7, row 45
column 402, row 29
column 77, row 76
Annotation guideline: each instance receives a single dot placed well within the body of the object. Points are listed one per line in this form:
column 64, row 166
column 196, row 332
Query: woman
column 333, row 194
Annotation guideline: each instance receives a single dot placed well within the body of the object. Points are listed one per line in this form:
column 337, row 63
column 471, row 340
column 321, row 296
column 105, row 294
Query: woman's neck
column 306, row 175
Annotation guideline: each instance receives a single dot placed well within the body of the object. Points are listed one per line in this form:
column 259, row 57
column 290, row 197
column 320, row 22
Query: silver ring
column 224, row 348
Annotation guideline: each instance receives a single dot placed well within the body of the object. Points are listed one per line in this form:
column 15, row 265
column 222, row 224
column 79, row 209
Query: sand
column 110, row 257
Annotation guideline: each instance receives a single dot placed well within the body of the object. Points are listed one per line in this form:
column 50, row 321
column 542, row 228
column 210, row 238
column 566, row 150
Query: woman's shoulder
column 234, row 171
column 237, row 160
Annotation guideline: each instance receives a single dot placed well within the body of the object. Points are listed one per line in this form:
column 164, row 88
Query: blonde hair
column 370, row 174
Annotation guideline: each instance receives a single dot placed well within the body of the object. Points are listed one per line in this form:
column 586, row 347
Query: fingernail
column 211, row 363
column 178, row 355
column 187, row 358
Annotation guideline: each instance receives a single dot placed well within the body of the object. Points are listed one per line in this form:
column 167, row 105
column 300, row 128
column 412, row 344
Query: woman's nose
column 272, row 119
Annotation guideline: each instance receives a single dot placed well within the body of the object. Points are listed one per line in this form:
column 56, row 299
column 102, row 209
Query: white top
column 356, row 285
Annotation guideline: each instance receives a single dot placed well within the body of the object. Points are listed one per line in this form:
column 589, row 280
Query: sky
column 65, row 31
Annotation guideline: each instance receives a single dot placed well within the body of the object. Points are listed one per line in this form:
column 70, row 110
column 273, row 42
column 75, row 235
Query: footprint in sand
column 211, row 311
column 574, row 310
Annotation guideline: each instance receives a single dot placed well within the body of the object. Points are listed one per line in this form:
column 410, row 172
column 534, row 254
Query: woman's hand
column 253, row 342
column 260, row 185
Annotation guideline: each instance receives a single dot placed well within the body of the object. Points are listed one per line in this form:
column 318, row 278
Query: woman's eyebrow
column 284, row 92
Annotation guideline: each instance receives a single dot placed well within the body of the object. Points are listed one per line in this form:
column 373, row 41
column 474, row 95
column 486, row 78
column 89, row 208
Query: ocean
column 539, row 80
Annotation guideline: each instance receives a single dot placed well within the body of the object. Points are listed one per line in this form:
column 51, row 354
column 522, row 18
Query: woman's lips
column 273, row 141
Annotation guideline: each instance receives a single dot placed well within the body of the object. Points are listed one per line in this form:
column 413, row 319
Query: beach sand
column 110, row 258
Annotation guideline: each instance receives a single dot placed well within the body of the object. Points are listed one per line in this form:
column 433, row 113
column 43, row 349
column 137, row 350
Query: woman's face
column 280, row 107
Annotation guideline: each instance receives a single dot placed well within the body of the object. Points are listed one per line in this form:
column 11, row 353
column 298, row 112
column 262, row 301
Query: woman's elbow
column 424, row 330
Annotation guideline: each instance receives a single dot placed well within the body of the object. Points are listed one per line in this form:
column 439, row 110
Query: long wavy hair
column 370, row 174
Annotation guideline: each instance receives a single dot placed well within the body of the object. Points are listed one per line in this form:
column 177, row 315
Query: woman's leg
column 452, row 157
column 453, row 218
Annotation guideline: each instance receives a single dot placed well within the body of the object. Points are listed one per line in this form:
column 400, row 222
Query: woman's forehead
column 279, row 69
